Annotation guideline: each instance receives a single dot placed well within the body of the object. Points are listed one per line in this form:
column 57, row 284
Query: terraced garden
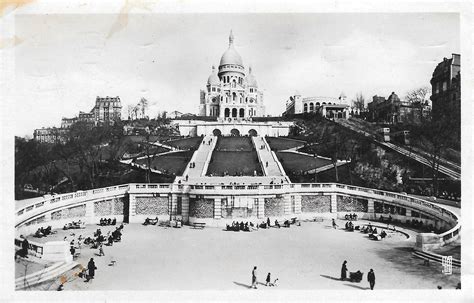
column 279, row 143
column 294, row 163
column 234, row 156
column 185, row 144
column 171, row 164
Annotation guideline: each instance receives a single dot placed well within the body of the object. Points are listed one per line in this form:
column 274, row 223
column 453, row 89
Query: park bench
column 199, row 225
column 318, row 219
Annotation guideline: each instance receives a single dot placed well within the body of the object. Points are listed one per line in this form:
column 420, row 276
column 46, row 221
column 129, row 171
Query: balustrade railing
column 254, row 188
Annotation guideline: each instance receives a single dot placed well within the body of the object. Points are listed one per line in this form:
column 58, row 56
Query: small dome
column 213, row 78
column 251, row 79
column 231, row 56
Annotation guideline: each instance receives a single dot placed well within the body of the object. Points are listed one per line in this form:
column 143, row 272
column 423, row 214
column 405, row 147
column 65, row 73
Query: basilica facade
column 231, row 92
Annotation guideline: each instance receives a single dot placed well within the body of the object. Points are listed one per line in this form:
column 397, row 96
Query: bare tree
column 418, row 95
column 359, row 102
column 143, row 104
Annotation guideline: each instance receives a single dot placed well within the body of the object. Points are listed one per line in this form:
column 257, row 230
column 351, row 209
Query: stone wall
column 274, row 207
column 109, row 207
column 103, row 208
column 201, row 208
column 350, row 204
column 152, row 206
column 315, row 204
column 119, row 206
column 73, row 212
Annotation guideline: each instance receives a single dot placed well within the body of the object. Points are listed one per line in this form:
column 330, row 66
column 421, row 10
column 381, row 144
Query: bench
column 199, row 225
column 318, row 219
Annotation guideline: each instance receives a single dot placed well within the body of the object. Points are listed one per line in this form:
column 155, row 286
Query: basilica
column 231, row 92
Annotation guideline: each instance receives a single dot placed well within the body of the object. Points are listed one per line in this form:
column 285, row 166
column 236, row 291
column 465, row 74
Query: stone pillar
column 408, row 215
column 132, row 210
column 297, row 204
column 371, row 209
column 89, row 213
column 287, row 205
column 261, row 208
column 185, row 208
column 173, row 205
column 333, row 203
column 217, row 208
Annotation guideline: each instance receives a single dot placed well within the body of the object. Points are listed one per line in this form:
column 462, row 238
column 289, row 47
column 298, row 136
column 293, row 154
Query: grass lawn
column 173, row 163
column 278, row 143
column 186, row 143
column 234, row 144
column 293, row 162
column 234, row 163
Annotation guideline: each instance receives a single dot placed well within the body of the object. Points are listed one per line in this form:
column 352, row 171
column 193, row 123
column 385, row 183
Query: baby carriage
column 356, row 276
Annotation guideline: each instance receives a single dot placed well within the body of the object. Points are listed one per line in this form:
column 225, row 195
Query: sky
column 65, row 60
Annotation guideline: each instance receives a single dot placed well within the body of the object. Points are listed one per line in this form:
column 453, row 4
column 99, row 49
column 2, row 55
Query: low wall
column 138, row 201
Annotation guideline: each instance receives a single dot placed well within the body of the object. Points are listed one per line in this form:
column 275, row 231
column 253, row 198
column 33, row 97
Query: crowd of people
column 352, row 217
column 249, row 226
column 43, row 232
column 74, row 225
column 107, row 221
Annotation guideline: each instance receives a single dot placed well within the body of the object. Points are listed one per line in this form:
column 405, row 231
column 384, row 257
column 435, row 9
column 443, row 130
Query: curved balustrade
column 35, row 208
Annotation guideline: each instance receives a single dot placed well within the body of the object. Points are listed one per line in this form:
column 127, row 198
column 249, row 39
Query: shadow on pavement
column 329, row 277
column 357, row 286
column 242, row 284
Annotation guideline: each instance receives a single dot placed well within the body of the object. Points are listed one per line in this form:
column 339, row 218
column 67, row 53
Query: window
column 292, row 204
column 213, row 89
column 445, row 86
column 305, row 108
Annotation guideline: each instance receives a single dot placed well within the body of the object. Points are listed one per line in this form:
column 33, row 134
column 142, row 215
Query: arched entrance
column 234, row 112
column 340, row 115
column 253, row 133
column 235, row 132
column 241, row 113
column 227, row 113
column 216, row 132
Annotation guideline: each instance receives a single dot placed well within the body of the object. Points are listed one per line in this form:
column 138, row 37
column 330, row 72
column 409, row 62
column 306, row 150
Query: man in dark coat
column 371, row 278
column 344, row 271
column 24, row 248
column 91, row 268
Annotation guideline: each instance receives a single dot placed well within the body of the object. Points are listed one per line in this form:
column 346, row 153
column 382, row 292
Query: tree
column 359, row 103
column 130, row 111
column 143, row 105
column 434, row 137
column 418, row 96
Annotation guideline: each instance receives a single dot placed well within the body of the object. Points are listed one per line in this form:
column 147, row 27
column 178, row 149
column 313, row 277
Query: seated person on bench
column 286, row 223
column 383, row 234
column 114, row 221
column 277, row 224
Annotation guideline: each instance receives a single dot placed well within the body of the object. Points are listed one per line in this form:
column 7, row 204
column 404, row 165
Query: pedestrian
column 268, row 222
column 101, row 250
column 371, row 278
column 91, row 268
column 24, row 247
column 344, row 271
column 268, row 280
column 254, row 277
column 334, row 225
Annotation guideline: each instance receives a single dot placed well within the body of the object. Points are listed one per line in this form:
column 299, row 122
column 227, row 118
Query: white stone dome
column 231, row 56
column 213, row 78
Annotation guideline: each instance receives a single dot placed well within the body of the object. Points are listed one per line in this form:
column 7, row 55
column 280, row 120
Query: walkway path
column 268, row 159
column 201, row 158
column 453, row 171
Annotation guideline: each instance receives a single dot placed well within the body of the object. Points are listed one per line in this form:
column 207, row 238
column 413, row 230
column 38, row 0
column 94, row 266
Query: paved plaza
column 302, row 258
